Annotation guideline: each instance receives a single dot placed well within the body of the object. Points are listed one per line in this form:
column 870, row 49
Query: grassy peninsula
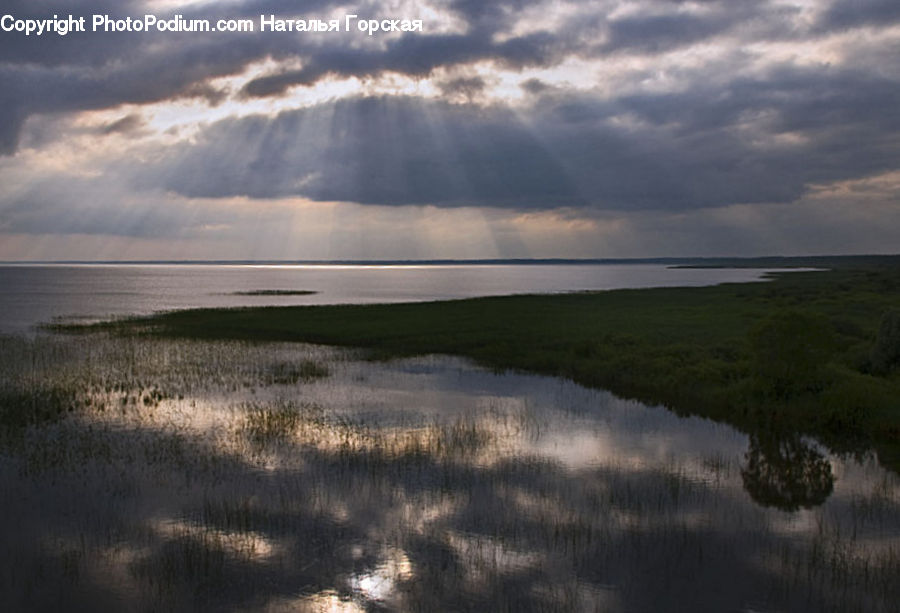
column 811, row 352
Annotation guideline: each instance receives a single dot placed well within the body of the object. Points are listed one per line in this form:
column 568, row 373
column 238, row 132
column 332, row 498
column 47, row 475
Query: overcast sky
column 507, row 128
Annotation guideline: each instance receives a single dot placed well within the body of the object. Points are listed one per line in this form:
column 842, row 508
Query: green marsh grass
column 723, row 352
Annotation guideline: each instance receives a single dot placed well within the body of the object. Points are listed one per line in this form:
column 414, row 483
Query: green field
column 808, row 352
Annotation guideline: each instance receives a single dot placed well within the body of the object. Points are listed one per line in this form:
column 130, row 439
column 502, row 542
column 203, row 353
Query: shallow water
column 34, row 294
column 228, row 476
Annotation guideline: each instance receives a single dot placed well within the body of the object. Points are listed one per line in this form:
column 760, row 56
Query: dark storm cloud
column 414, row 55
column 83, row 49
column 386, row 150
column 657, row 33
column 720, row 134
column 761, row 139
column 88, row 71
column 844, row 14
column 37, row 89
column 764, row 139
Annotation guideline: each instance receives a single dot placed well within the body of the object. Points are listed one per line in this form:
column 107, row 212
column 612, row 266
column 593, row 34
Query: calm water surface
column 33, row 294
column 219, row 476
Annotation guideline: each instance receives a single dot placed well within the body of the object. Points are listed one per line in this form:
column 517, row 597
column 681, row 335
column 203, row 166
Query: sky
column 502, row 129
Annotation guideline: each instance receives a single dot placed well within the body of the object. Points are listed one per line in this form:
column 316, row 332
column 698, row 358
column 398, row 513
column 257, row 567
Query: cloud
column 658, row 33
column 412, row 55
column 535, row 86
column 384, row 150
column 125, row 125
column 91, row 71
column 680, row 109
column 843, row 14
column 764, row 139
column 467, row 88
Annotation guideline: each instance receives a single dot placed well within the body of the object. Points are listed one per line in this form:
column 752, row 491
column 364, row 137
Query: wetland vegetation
column 181, row 475
column 207, row 460
column 814, row 353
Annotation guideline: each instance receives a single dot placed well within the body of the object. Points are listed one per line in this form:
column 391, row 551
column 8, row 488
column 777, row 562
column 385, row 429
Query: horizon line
column 451, row 261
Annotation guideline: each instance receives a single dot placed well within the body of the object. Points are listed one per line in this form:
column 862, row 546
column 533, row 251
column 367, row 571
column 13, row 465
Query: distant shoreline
column 823, row 261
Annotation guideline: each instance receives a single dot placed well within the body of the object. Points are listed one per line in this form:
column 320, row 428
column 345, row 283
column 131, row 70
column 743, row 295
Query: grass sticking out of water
column 20, row 408
column 267, row 424
column 734, row 352
column 288, row 373
column 229, row 491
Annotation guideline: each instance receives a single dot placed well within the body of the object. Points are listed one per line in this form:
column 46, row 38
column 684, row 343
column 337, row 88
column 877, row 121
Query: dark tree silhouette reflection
column 784, row 472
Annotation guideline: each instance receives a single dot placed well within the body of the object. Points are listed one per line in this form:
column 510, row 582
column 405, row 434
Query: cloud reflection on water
column 408, row 485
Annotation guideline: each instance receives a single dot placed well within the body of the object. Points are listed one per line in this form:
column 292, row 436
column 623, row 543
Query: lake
column 148, row 474
column 34, row 294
